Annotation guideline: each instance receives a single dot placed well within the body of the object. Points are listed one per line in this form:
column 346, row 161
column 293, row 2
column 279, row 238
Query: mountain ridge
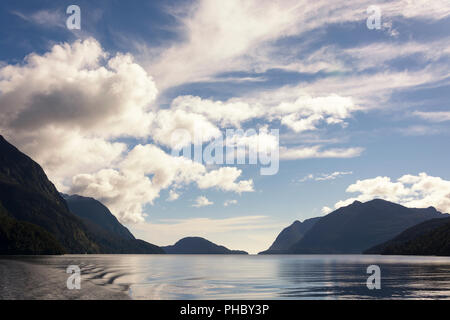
column 198, row 245
column 95, row 211
column 359, row 226
column 431, row 237
column 31, row 202
column 290, row 235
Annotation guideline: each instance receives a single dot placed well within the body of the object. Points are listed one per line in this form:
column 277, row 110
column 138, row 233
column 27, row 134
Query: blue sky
column 357, row 109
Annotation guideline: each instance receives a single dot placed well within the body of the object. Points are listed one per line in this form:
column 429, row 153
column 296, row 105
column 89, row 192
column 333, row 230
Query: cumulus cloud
column 202, row 201
column 416, row 191
column 124, row 192
column 178, row 128
column 75, row 108
column 230, row 113
column 75, row 100
column 241, row 143
column 292, row 108
column 69, row 108
column 306, row 112
column 225, row 179
column 72, row 108
column 144, row 172
column 299, row 112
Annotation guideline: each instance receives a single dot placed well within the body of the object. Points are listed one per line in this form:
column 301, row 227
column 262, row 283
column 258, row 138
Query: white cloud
column 67, row 108
column 230, row 202
column 202, row 201
column 225, row 179
column 306, row 178
column 123, row 192
column 296, row 153
column 240, row 142
column 224, row 36
column 173, row 195
column 75, row 98
column 296, row 110
column 232, row 112
column 419, row 191
column 326, row 210
column 373, row 90
column 378, row 54
column 325, row 176
column 306, row 112
column 144, row 172
column 78, row 97
column 178, row 128
column 70, row 108
column 218, row 35
column 293, row 108
column 434, row 116
column 333, row 175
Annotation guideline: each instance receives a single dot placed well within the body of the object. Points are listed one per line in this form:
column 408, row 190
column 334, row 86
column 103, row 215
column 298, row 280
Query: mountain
column 359, row 226
column 110, row 233
column 197, row 245
column 33, row 212
column 28, row 196
column 94, row 211
column 290, row 235
column 431, row 237
column 24, row 238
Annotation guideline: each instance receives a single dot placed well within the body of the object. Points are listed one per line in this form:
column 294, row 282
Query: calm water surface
column 257, row 277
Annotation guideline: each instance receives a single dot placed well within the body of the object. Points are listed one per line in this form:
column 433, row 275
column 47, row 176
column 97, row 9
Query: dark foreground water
column 224, row 277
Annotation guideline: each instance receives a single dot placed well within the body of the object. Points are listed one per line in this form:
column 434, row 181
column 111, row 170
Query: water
column 226, row 277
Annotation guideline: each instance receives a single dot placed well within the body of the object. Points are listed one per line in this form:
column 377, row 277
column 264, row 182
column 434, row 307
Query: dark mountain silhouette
column 359, row 226
column 31, row 202
column 24, row 238
column 290, row 235
column 28, row 196
column 110, row 233
column 94, row 211
column 197, row 245
column 431, row 237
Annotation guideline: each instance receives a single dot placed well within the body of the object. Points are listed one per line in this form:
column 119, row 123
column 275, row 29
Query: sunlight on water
column 259, row 277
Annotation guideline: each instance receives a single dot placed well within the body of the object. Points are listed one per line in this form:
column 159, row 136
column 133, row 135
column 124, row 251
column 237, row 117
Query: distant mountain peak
column 359, row 226
column 190, row 239
column 198, row 245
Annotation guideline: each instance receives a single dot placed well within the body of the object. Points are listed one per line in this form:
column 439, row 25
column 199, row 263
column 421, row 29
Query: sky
column 349, row 99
